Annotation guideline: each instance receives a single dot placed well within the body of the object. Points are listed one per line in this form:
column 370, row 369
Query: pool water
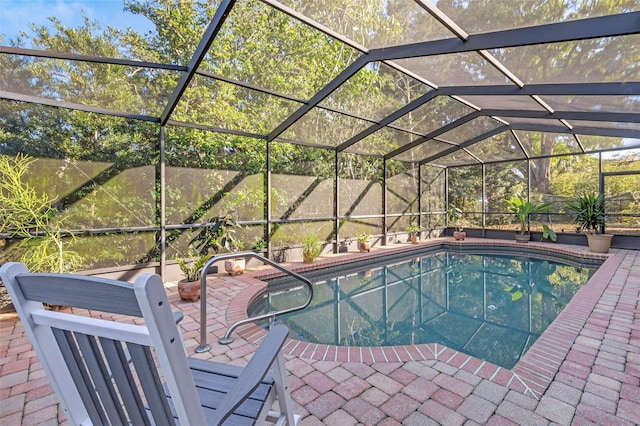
column 491, row 306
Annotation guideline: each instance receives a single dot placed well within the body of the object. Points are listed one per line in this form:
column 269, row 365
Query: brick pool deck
column 584, row 369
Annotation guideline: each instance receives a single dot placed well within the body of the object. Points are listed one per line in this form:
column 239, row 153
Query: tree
column 596, row 60
column 103, row 170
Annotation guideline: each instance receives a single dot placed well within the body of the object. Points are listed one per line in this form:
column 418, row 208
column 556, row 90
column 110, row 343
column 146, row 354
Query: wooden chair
column 105, row 371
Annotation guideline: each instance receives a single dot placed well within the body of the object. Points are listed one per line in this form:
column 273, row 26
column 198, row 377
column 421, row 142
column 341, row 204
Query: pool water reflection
column 489, row 306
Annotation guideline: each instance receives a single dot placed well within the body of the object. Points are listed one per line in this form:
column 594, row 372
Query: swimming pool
column 489, row 305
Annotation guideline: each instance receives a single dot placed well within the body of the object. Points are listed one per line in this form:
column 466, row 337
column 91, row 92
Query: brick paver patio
column 585, row 369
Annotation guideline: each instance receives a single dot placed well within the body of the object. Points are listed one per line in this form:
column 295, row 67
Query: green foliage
column 574, row 174
column 455, row 216
column 368, row 332
column 465, row 188
column 192, row 266
column 221, row 234
column 528, row 281
column 361, row 167
column 363, row 237
column 311, row 248
column 587, row 211
column 525, row 210
column 260, row 244
column 116, row 160
column 22, row 210
column 548, row 233
column 31, row 218
column 413, row 228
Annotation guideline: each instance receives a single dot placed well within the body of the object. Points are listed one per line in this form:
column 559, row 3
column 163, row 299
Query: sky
column 16, row 15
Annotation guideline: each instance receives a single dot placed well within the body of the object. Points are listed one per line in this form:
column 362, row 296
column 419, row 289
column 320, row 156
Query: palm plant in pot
column 526, row 210
column 588, row 213
column 455, row 219
column 364, row 243
column 191, row 267
column 311, row 248
column 414, row 229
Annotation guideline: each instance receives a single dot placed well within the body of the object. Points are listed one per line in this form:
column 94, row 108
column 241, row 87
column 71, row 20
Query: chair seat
column 214, row 380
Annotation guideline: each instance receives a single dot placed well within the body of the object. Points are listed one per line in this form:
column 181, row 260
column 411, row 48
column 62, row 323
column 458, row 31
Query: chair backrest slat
column 125, row 382
column 100, row 377
column 79, row 375
column 72, row 290
column 152, row 385
column 97, row 367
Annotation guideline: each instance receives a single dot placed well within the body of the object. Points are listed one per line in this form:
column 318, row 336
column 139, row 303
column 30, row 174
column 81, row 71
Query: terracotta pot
column 415, row 239
column 235, row 266
column 189, row 290
column 459, row 235
column 364, row 246
column 599, row 243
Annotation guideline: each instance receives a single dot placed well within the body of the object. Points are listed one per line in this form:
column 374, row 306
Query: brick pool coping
column 533, row 373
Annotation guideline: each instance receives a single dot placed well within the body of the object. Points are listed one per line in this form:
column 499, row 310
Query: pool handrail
column 203, row 347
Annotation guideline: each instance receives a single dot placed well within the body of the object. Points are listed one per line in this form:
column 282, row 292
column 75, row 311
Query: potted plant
column 455, row 218
column 413, row 229
column 237, row 265
column 191, row 267
column 364, row 243
column 525, row 210
column 260, row 245
column 311, row 248
column 588, row 213
column 221, row 234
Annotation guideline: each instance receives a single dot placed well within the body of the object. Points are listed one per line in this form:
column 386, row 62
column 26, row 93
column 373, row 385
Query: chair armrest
column 177, row 316
column 253, row 373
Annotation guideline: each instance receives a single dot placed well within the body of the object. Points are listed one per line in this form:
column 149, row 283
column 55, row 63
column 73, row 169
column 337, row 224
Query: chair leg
column 282, row 390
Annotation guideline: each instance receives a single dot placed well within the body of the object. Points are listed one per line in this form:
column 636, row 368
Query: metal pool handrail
column 203, row 297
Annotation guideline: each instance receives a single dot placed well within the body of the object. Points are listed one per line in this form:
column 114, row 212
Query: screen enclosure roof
column 444, row 83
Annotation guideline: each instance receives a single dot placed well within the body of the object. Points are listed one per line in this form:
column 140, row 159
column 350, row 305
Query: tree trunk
column 541, row 170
